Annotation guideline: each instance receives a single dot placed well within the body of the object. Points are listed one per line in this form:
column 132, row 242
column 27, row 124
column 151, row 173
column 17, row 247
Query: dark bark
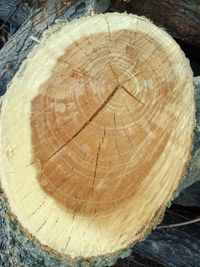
column 135, row 260
column 40, row 3
column 14, row 11
column 181, row 18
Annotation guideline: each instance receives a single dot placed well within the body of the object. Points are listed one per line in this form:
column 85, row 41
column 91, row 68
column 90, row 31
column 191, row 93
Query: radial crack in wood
column 96, row 132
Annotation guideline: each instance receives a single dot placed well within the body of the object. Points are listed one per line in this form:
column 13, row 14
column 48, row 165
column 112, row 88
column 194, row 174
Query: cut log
column 96, row 133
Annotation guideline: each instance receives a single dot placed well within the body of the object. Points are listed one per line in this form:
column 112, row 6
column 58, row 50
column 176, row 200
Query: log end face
column 106, row 135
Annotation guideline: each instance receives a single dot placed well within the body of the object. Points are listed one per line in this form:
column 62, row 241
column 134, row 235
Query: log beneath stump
column 173, row 247
column 190, row 196
column 96, row 133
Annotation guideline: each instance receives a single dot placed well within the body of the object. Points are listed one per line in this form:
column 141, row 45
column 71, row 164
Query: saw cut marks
column 96, row 134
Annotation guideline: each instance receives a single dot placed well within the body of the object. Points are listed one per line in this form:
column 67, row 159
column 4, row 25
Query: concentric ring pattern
column 96, row 133
column 103, row 118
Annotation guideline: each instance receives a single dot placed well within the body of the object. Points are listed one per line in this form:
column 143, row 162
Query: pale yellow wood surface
column 96, row 131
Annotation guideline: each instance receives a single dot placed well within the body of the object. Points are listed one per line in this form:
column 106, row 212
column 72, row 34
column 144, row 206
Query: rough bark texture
column 16, row 12
column 181, row 18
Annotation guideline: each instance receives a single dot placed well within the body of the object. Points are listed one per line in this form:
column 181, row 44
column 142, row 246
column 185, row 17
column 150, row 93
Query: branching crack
column 88, row 121
column 134, row 97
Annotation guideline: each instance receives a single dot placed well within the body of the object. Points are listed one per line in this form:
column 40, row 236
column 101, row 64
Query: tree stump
column 96, row 133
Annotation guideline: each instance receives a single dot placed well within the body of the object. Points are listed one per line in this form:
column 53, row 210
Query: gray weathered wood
column 190, row 196
column 173, row 247
column 14, row 11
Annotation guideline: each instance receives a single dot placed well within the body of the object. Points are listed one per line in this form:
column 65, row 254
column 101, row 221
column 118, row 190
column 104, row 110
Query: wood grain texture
column 78, row 173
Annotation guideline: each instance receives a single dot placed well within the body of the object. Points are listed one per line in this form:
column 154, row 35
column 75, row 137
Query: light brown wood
column 96, row 133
